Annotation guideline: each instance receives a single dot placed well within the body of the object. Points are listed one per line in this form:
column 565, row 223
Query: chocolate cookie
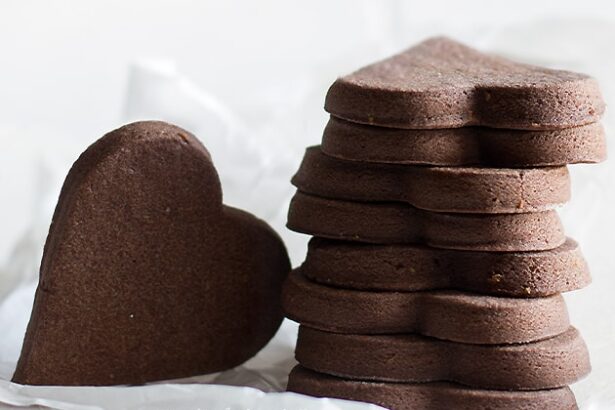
column 414, row 267
column 441, row 83
column 546, row 364
column 427, row 396
column 145, row 274
column 448, row 315
column 390, row 222
column 465, row 146
column 442, row 189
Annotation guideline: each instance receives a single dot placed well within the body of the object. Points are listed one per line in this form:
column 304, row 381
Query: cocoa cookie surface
column 427, row 396
column 546, row 364
column 441, row 83
column 465, row 146
column 390, row 222
column 442, row 189
column 146, row 275
column 408, row 267
column 551, row 363
column 447, row 315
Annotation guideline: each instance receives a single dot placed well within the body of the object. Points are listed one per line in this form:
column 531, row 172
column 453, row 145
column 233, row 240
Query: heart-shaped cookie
column 444, row 314
column 545, row 364
column 426, row 395
column 407, row 268
column 441, row 83
column 493, row 147
column 392, row 222
column 146, row 275
column 440, row 189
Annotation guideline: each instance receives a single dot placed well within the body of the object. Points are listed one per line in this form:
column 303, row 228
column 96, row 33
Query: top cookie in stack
column 427, row 96
column 434, row 276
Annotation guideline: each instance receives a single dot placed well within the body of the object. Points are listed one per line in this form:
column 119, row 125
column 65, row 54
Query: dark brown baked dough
column 465, row 146
column 546, row 364
column 441, row 83
column 391, row 222
column 145, row 274
column 427, row 396
column 448, row 315
column 360, row 266
column 441, row 189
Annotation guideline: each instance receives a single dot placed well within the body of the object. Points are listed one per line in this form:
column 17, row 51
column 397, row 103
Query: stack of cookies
column 434, row 276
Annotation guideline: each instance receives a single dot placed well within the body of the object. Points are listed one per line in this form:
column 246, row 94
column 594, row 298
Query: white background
column 67, row 76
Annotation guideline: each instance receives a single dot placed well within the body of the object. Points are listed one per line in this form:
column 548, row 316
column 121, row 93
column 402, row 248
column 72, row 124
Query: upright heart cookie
column 146, row 275
column 441, row 83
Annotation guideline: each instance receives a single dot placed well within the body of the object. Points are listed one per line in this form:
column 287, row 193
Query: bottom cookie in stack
column 430, row 395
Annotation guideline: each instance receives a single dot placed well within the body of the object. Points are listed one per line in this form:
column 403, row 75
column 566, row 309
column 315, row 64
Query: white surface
column 72, row 70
